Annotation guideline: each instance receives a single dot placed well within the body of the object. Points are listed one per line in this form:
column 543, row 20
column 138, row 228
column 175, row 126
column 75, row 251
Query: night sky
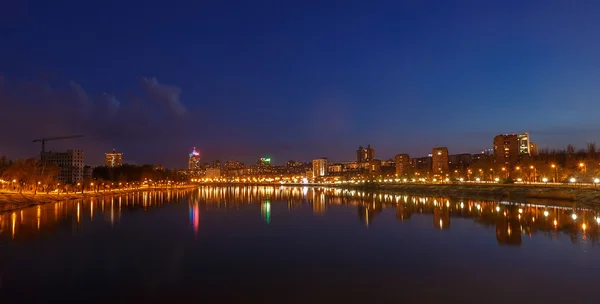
column 295, row 79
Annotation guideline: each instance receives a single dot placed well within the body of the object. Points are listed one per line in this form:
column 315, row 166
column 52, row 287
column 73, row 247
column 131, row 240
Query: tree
column 591, row 151
column 485, row 169
column 48, row 176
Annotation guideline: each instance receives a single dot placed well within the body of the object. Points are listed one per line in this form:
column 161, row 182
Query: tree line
column 33, row 175
column 28, row 175
column 134, row 173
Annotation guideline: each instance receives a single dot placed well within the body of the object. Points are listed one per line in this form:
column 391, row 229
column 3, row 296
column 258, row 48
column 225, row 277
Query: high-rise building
column 70, row 164
column 402, row 164
column 533, row 149
column 508, row 148
column 114, row 159
column 194, row 160
column 320, row 167
column 439, row 161
column 365, row 155
column 524, row 144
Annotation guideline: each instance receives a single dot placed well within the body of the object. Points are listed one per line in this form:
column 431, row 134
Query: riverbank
column 13, row 200
column 514, row 193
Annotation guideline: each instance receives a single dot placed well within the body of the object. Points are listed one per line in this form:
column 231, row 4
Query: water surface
column 299, row 245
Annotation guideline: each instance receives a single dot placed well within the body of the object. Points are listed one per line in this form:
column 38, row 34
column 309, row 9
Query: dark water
column 298, row 245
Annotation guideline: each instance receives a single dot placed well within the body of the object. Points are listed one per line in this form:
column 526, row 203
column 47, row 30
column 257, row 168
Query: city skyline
column 243, row 80
column 364, row 153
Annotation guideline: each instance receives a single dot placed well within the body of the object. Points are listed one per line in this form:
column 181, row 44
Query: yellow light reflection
column 13, row 219
column 38, row 216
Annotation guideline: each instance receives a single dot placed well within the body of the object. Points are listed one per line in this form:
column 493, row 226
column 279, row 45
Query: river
column 298, row 245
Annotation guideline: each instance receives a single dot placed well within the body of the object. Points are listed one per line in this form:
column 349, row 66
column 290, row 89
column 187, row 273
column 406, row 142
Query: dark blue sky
column 296, row 79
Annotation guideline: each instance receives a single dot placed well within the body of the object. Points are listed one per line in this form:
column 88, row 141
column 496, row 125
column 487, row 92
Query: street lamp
column 534, row 173
column 596, row 181
column 572, row 180
column 582, row 166
column 555, row 177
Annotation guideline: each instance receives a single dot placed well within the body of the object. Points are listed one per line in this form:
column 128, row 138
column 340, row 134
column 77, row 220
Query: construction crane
column 44, row 140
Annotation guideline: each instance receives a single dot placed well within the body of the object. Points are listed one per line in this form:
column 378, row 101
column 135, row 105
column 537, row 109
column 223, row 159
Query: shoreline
column 11, row 201
column 518, row 193
column 498, row 192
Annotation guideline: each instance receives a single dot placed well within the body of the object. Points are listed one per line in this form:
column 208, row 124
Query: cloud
column 81, row 97
column 31, row 110
column 165, row 94
column 112, row 103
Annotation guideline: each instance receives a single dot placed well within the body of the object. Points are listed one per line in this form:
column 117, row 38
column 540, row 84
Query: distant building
column 459, row 162
column 335, row 168
column 320, row 167
column 194, row 160
column 388, row 167
column 87, row 172
column 477, row 156
column 351, row 166
column 70, row 164
column 365, row 155
column 264, row 161
column 375, row 166
column 294, row 164
column 114, row 159
column 508, row 148
column 421, row 164
column 533, row 149
column 402, row 164
column 215, row 164
column 233, row 165
column 213, row 173
column 439, row 160
column 524, row 144
column 233, row 168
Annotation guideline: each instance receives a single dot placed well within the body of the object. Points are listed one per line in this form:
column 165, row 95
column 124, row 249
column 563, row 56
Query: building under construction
column 70, row 164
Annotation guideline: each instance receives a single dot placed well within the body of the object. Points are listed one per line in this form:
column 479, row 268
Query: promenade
column 12, row 200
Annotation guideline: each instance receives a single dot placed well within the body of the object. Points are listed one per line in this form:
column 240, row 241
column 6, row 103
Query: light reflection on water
column 511, row 221
column 299, row 245
column 34, row 221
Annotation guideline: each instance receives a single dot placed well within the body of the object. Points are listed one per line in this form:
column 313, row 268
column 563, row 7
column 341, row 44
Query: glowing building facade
column 114, row 159
column 320, row 167
column 194, row 160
